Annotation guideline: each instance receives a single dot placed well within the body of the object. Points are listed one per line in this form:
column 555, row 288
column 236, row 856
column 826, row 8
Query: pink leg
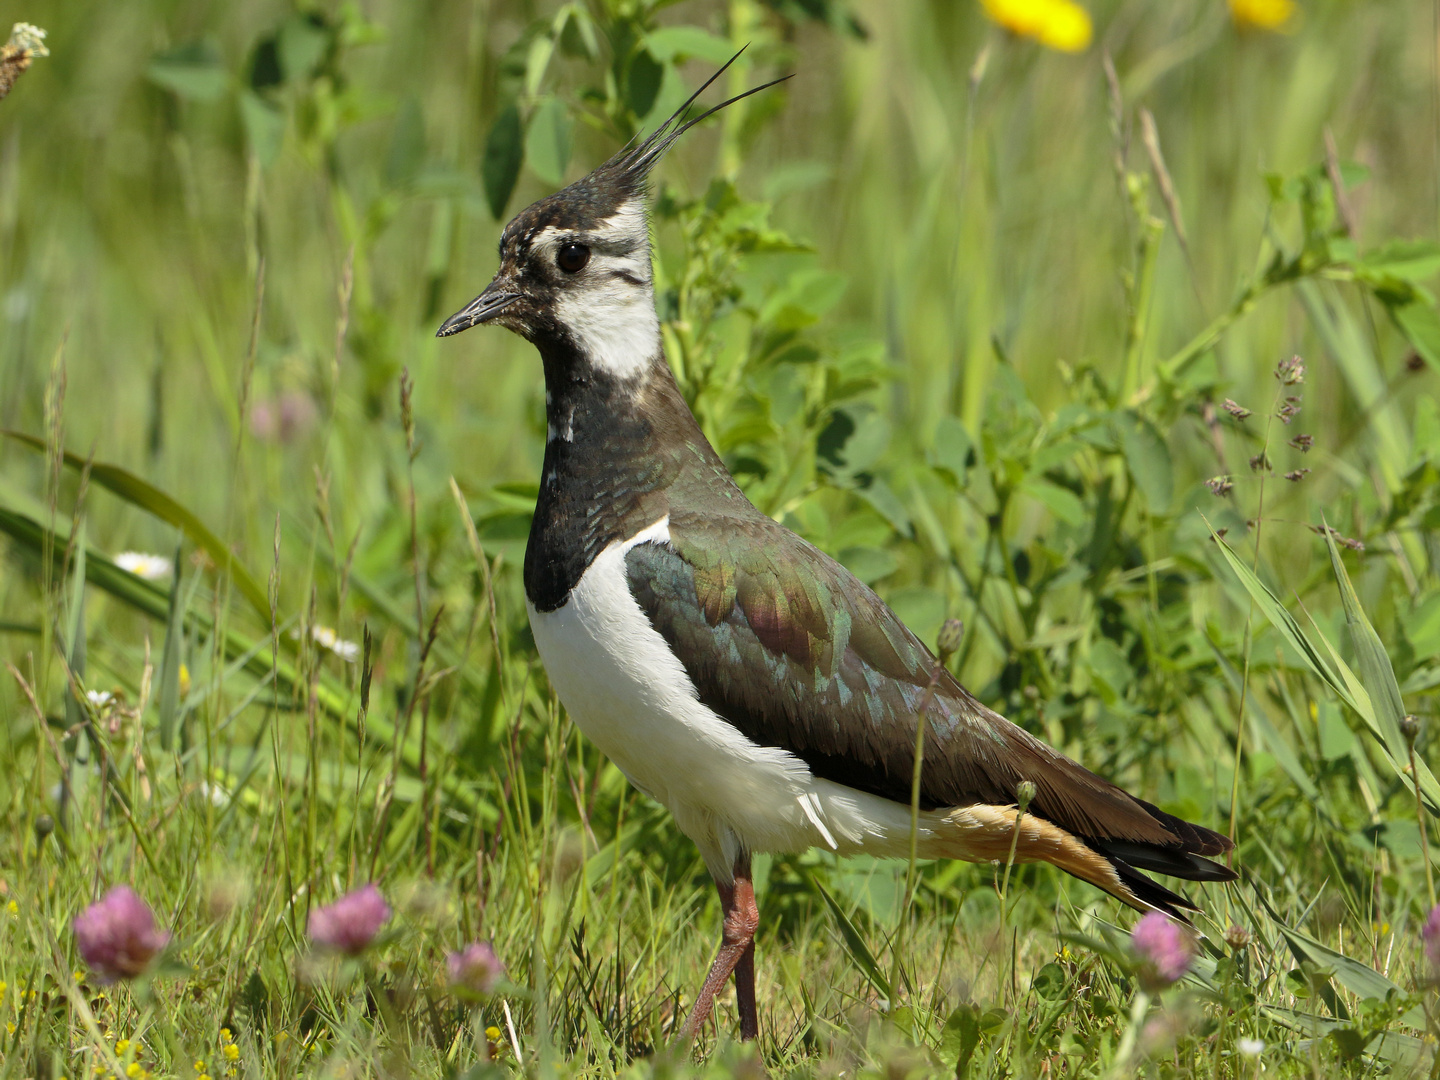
column 737, row 955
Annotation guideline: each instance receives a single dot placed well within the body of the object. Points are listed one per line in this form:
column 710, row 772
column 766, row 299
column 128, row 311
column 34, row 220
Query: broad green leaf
column 1420, row 324
column 537, row 61
column 192, row 72
column 504, row 152
column 951, row 450
column 138, row 492
column 675, row 44
column 1148, row 459
column 1410, row 260
column 547, row 142
column 642, row 82
column 1062, row 502
column 302, row 44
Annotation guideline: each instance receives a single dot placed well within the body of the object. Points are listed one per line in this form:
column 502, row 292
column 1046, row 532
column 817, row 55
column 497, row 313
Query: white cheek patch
column 610, row 310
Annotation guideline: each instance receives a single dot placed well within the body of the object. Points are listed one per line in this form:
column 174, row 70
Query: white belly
column 633, row 698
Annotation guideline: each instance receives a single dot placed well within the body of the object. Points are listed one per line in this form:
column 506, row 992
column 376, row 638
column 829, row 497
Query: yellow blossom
column 492, row 1033
column 14, row 909
column 121, row 1047
column 1261, row 14
column 1058, row 24
column 232, row 1052
column 133, row 1070
column 9, row 1028
column 225, row 1034
column 199, row 1066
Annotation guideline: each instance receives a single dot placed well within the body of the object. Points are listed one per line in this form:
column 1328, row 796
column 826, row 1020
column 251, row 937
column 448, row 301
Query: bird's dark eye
column 572, row 257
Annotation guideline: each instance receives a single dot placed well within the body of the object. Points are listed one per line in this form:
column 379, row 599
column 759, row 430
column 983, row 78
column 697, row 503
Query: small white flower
column 149, row 567
column 99, row 698
column 216, row 793
column 1250, row 1047
column 326, row 637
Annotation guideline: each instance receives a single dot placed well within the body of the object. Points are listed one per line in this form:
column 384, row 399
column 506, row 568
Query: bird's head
column 575, row 272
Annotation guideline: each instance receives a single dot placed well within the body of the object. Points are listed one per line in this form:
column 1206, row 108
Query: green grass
column 930, row 303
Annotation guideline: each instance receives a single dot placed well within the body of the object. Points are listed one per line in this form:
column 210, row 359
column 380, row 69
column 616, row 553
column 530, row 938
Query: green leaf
column 264, row 127
column 1062, row 502
column 500, row 167
column 303, row 42
column 192, row 72
column 959, row 1038
column 537, row 61
column 547, row 143
column 1409, row 260
column 1148, row 459
column 1378, row 677
column 676, row 44
column 855, row 945
column 138, row 492
column 1420, row 324
column 951, row 449
column 642, row 82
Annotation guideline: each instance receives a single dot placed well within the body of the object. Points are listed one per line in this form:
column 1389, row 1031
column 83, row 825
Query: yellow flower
column 9, row 1028
column 492, row 1033
column 14, row 909
column 199, row 1066
column 121, row 1047
column 133, row 1070
column 225, row 1034
column 232, row 1052
column 1058, row 24
column 1261, row 14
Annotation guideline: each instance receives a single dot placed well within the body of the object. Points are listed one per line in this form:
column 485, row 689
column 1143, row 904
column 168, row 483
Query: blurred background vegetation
column 975, row 302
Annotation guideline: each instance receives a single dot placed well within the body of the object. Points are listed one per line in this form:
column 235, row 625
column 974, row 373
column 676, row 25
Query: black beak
column 482, row 309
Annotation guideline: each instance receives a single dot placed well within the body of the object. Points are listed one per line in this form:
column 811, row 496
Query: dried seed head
column 1414, row 362
column 1237, row 937
column 1239, row 412
column 1289, row 410
column 1303, row 443
column 1259, row 461
column 1291, row 372
column 1296, row 475
column 1219, row 485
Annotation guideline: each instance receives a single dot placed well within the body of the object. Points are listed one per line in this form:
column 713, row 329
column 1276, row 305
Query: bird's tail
column 989, row 833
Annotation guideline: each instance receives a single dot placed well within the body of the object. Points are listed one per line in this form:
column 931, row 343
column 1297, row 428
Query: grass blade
column 855, row 945
column 141, row 493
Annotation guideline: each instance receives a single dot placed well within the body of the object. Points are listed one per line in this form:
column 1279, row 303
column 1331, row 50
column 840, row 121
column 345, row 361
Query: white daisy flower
column 326, row 637
column 1250, row 1047
column 149, row 567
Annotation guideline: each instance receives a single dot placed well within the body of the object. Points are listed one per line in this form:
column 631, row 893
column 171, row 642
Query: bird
column 732, row 670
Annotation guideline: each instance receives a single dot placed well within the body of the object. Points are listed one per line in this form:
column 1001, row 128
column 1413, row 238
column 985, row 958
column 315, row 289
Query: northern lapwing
column 730, row 669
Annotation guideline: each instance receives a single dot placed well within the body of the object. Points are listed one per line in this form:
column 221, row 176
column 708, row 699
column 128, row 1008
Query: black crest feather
column 632, row 165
